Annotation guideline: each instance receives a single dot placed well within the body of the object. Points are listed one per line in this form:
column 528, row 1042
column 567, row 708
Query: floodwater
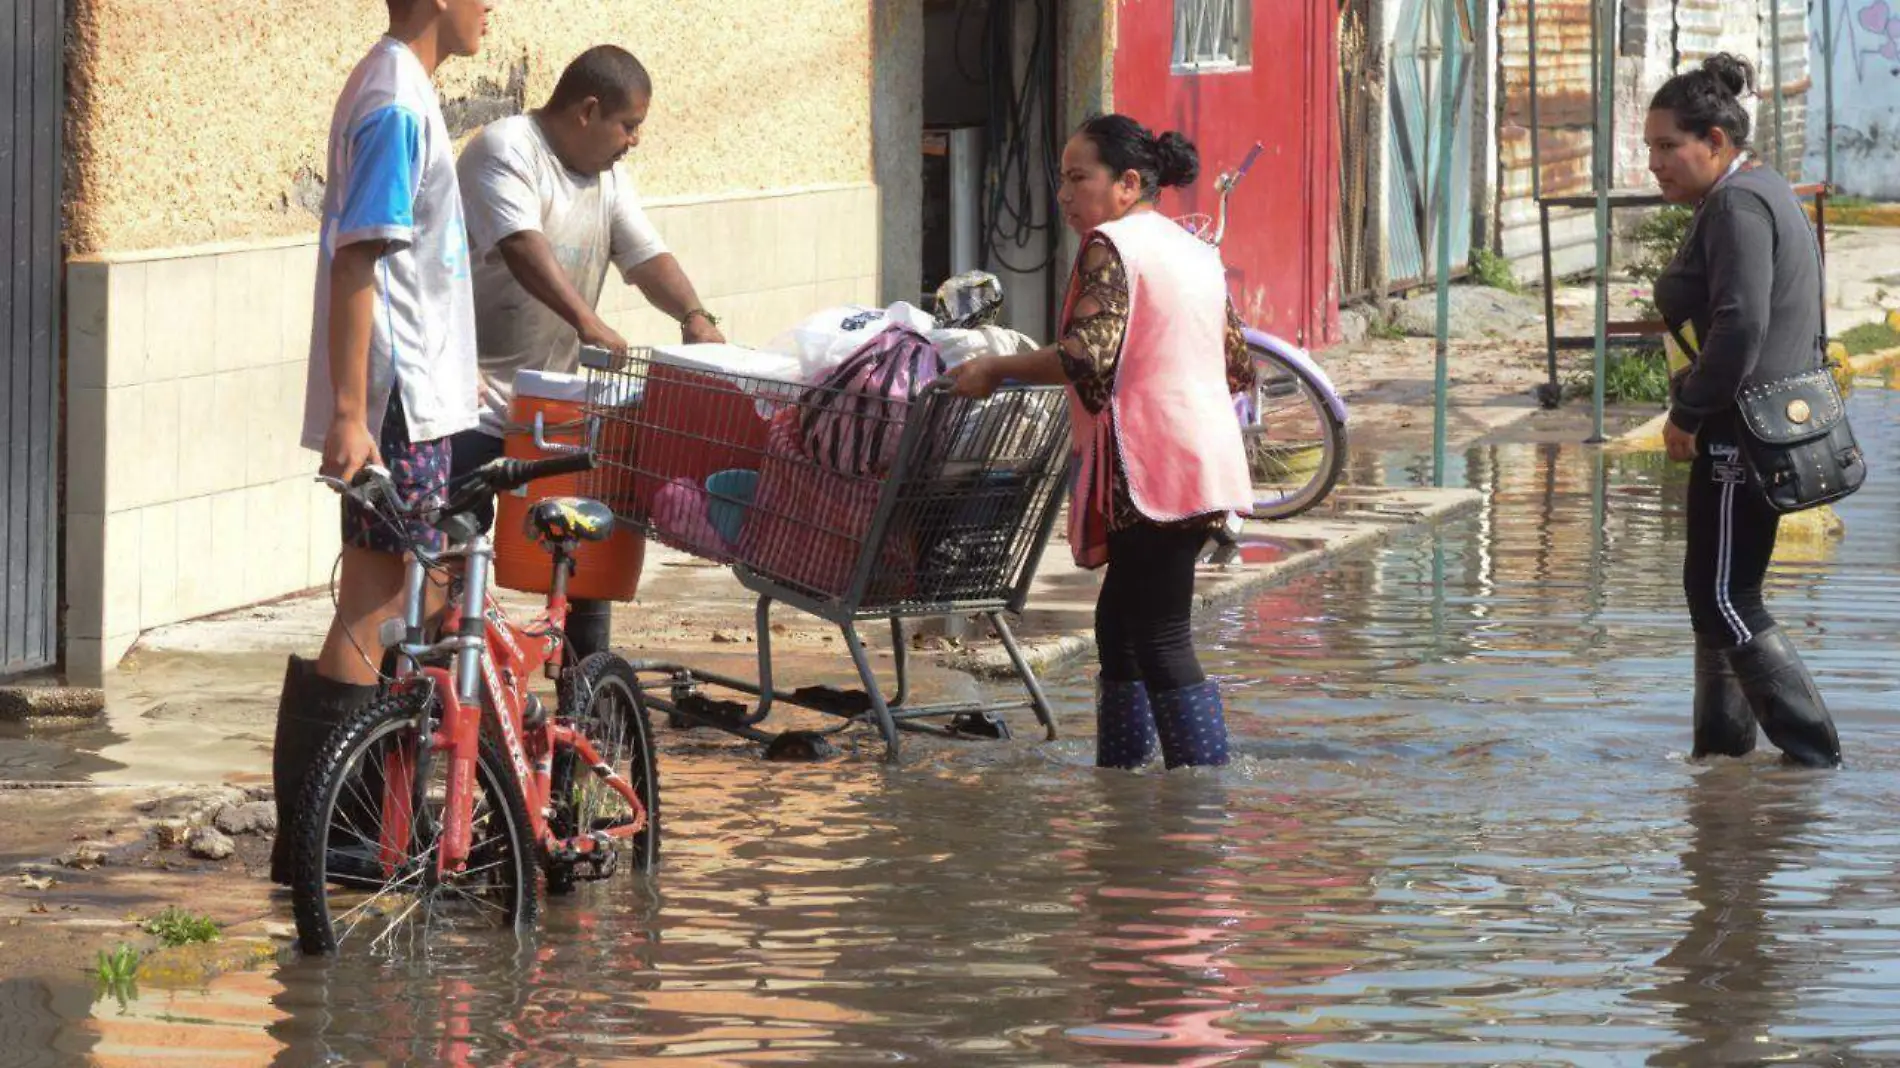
column 1461, row 831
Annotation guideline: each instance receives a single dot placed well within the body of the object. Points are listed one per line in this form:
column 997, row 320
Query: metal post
column 1605, row 150
column 1774, row 63
column 1827, row 74
column 1447, row 132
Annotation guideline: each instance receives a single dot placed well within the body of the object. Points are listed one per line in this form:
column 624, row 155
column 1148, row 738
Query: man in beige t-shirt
column 548, row 214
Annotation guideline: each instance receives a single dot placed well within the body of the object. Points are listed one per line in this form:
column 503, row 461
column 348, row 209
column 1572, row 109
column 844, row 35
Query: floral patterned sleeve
column 1241, row 373
column 1092, row 346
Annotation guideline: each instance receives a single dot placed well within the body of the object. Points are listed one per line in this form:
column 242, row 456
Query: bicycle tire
column 390, row 722
column 1321, row 432
column 610, row 688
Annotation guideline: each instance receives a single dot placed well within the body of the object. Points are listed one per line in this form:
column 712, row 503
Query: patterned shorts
column 419, row 469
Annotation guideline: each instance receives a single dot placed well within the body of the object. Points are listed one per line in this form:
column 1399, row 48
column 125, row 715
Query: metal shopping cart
column 847, row 506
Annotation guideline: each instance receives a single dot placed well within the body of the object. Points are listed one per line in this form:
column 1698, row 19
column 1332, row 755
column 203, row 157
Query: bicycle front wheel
column 1296, row 447
column 372, row 821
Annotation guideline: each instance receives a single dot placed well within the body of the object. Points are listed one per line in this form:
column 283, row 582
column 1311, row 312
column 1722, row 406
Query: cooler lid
column 729, row 360
column 551, row 385
column 575, row 389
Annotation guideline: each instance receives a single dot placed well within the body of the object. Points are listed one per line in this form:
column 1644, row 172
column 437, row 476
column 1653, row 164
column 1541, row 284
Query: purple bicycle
column 1294, row 420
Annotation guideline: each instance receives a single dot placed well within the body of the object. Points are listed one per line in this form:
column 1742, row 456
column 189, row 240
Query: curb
column 1649, row 435
column 37, row 704
column 1871, row 362
column 1057, row 651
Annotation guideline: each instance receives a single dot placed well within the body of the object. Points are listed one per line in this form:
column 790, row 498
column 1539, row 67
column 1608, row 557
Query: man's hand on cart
column 595, row 332
column 976, row 378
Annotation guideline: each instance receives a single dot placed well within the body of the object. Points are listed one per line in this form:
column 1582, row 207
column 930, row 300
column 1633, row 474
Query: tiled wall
column 188, row 493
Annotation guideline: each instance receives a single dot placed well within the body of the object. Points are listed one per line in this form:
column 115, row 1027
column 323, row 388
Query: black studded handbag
column 1797, row 444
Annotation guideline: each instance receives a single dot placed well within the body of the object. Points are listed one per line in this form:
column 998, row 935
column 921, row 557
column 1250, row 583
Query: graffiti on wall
column 1865, row 95
column 1873, row 39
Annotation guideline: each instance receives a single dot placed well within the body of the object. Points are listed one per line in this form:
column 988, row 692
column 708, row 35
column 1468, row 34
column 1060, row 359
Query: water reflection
column 1460, row 830
column 1734, row 979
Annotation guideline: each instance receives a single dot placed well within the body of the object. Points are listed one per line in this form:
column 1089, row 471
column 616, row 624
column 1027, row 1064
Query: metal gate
column 1422, row 54
column 31, row 78
column 1358, row 101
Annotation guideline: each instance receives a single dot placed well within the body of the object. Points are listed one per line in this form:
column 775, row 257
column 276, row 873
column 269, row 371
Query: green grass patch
column 1869, row 337
column 1490, row 269
column 1384, row 329
column 175, row 927
column 1630, row 376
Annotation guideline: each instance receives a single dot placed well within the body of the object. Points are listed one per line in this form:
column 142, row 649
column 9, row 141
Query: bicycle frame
column 493, row 660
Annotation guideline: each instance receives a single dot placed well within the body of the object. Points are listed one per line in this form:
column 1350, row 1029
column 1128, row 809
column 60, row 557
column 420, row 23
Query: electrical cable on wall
column 1009, row 216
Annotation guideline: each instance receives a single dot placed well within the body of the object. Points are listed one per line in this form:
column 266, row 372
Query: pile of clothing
column 790, row 488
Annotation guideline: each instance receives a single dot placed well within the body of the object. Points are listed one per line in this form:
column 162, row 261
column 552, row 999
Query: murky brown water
column 1461, row 831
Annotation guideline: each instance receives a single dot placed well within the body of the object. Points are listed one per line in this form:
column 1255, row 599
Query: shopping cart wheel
column 800, row 747
column 980, row 725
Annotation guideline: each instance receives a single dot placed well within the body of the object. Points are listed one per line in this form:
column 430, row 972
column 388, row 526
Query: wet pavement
column 1461, row 831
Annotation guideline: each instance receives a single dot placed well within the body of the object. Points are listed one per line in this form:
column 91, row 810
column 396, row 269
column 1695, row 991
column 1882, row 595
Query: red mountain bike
column 439, row 806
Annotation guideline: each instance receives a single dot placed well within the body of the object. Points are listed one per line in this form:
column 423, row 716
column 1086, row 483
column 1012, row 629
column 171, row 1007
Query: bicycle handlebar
column 373, row 489
column 1247, row 164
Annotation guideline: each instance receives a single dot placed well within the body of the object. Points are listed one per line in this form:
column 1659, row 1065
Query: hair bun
column 1178, row 162
column 1733, row 74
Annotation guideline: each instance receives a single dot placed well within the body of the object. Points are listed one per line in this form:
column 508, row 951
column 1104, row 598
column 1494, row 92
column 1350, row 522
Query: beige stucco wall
column 196, row 136
column 205, row 120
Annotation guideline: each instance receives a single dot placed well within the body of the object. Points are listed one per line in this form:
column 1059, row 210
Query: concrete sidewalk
column 690, row 608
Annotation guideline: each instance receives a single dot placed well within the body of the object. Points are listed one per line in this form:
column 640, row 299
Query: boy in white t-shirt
column 548, row 214
column 392, row 351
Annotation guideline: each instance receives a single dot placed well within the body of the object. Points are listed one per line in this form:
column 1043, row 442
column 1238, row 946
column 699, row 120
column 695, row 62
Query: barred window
column 1212, row 34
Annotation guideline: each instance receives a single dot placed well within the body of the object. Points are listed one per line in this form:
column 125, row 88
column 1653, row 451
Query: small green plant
column 1630, row 376
column 1869, row 337
column 1490, row 269
column 118, row 973
column 1657, row 239
column 176, row 927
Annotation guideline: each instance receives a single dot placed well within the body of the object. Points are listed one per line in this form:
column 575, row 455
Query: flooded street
column 1461, row 830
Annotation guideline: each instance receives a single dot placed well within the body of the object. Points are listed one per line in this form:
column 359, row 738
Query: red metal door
column 1282, row 93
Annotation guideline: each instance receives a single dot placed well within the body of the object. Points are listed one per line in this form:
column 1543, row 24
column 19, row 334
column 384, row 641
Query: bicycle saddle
column 570, row 519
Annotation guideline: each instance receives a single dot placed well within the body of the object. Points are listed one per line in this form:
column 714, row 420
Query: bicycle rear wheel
column 1296, row 447
column 602, row 701
column 357, row 886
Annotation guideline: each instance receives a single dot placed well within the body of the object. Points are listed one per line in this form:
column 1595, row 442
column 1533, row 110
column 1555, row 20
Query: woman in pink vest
column 1152, row 352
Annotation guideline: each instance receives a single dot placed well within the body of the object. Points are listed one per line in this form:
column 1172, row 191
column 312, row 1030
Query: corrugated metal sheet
column 1565, row 111
column 1358, row 104
column 30, row 82
column 1423, row 53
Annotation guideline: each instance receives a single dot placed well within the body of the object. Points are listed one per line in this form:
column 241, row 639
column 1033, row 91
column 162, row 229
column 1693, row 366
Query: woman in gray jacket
column 1743, row 299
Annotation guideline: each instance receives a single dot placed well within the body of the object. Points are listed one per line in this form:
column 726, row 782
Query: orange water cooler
column 604, row 571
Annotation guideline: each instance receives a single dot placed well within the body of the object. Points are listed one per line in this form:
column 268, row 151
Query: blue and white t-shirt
column 392, row 178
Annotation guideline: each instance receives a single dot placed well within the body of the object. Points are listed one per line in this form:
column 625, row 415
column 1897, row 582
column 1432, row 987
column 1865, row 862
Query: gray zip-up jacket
column 1748, row 276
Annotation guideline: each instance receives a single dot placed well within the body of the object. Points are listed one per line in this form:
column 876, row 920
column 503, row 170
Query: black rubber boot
column 1724, row 724
column 1785, row 701
column 308, row 710
column 590, row 627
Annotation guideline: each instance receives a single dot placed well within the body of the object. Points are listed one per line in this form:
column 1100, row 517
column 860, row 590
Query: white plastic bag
column 827, row 339
column 960, row 345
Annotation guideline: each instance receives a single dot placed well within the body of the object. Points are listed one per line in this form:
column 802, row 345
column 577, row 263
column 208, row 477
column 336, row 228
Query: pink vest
column 1174, row 426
